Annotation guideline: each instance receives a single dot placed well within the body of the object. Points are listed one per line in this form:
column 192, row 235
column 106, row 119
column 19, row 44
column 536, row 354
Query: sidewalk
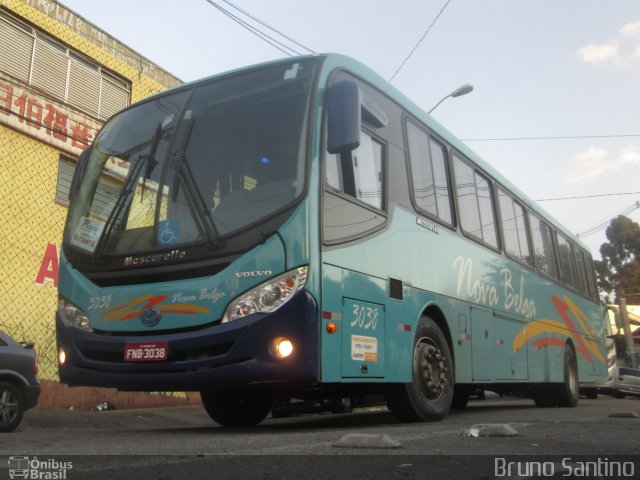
column 56, row 396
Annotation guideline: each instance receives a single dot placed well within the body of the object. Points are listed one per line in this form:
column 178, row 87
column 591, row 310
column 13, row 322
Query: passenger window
column 567, row 261
column 581, row 272
column 590, row 272
column 475, row 203
column 543, row 248
column 429, row 174
column 514, row 228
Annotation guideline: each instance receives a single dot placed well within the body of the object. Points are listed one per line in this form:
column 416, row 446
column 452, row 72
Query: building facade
column 60, row 78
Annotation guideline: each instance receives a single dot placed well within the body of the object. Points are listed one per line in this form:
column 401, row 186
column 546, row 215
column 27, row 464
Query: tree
column 619, row 270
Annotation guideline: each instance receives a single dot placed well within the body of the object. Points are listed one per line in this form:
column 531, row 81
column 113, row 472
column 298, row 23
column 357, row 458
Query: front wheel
column 11, row 407
column 428, row 397
column 236, row 409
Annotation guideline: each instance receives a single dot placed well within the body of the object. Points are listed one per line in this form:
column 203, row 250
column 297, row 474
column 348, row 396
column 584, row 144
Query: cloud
column 623, row 51
column 593, row 53
column 631, row 29
column 596, row 162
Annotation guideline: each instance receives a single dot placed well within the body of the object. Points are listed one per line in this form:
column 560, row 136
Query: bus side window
column 475, row 203
column 567, row 261
column 514, row 228
column 543, row 247
column 428, row 163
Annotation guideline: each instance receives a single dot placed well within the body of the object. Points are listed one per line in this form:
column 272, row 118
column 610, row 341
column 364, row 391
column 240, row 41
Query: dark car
column 19, row 382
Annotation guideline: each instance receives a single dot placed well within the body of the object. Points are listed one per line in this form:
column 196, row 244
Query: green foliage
column 619, row 269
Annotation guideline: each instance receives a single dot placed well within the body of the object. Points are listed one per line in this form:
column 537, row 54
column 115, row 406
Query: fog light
column 281, row 347
column 62, row 356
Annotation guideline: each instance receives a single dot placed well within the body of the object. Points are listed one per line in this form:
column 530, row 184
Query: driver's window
column 359, row 174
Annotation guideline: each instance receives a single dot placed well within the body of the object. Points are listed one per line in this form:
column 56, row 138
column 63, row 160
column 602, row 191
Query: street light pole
column 458, row 92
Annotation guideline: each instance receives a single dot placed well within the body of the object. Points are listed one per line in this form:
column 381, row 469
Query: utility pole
column 624, row 317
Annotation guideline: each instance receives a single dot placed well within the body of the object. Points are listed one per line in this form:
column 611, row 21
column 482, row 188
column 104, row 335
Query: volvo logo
column 256, row 273
column 150, row 317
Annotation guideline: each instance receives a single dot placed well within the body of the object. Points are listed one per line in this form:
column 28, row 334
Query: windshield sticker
column 168, row 232
column 292, row 72
column 87, row 234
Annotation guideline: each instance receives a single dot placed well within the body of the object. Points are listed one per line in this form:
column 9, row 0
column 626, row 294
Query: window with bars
column 40, row 61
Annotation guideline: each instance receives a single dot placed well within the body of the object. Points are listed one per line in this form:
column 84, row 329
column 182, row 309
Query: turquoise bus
column 301, row 230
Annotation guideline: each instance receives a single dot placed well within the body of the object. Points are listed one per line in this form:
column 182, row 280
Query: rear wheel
column 566, row 393
column 343, row 405
column 11, row 407
column 236, row 409
column 428, row 397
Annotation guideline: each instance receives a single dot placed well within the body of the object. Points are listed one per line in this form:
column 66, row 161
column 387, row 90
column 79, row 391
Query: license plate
column 146, row 352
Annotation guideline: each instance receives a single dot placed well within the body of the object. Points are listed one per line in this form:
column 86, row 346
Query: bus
column 299, row 229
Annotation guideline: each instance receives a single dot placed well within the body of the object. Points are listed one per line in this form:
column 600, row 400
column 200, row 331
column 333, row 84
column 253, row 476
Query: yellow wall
column 30, row 221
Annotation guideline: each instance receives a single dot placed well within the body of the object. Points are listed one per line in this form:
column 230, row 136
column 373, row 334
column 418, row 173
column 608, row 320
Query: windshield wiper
column 197, row 204
column 129, row 185
column 152, row 162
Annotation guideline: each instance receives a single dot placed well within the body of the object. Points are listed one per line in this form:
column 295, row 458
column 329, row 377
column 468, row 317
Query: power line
column 268, row 26
column 565, row 137
column 586, row 196
column 271, row 41
column 604, row 224
column 419, row 41
column 286, row 49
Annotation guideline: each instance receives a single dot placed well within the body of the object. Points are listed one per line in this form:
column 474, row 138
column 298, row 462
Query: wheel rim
column 430, row 368
column 572, row 379
column 8, row 407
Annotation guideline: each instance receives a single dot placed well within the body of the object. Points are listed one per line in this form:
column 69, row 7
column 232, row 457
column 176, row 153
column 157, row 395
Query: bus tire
column 236, row 410
column 428, row 397
column 566, row 393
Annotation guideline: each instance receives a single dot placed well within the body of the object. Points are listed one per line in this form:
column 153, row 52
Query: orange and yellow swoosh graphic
column 570, row 314
column 131, row 309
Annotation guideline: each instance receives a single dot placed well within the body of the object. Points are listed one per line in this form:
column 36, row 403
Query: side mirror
column 345, row 117
column 78, row 174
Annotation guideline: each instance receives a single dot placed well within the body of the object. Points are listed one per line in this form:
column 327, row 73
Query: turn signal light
column 331, row 327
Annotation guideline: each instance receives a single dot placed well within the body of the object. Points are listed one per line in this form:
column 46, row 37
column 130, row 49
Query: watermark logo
column 565, row 467
column 38, row 469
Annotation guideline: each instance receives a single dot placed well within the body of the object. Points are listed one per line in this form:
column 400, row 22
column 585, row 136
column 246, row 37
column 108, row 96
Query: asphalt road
column 182, row 442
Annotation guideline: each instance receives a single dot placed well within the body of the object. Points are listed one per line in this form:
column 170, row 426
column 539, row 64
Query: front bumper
column 218, row 357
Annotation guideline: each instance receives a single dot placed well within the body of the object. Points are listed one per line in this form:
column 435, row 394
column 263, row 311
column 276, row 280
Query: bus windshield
column 195, row 166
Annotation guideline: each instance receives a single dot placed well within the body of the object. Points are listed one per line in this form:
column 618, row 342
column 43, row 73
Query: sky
column 540, row 69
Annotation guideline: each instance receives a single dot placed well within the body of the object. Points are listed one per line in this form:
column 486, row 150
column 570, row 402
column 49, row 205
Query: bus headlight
column 73, row 316
column 268, row 296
